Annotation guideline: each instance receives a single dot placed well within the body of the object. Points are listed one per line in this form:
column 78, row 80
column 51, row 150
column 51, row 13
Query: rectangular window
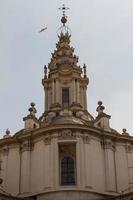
column 67, row 158
column 65, row 97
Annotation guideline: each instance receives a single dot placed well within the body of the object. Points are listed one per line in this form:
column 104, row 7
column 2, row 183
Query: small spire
column 45, row 72
column 84, row 67
column 100, row 107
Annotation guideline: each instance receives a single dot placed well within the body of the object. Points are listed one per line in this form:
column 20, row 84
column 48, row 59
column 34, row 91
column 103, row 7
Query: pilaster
column 25, row 173
column 56, row 163
column 4, row 166
column 47, row 163
column 78, row 92
column 53, row 92
column 74, row 90
column 110, row 179
column 49, row 97
column 88, row 160
column 46, row 98
column 85, row 97
column 80, row 163
column 57, row 91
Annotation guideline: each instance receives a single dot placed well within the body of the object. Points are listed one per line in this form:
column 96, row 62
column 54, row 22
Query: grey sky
column 102, row 34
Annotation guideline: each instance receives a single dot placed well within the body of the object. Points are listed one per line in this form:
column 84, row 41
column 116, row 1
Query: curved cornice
column 49, row 129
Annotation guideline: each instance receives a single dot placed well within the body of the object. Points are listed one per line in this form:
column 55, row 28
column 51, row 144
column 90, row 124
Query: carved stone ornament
column 66, row 134
column 86, row 138
column 5, row 150
column 108, row 144
column 128, row 147
column 47, row 140
column 26, row 146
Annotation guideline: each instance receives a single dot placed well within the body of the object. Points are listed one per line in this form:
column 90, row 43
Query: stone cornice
column 49, row 129
column 30, row 117
column 78, row 189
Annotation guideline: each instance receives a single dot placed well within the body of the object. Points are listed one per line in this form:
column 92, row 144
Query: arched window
column 67, row 171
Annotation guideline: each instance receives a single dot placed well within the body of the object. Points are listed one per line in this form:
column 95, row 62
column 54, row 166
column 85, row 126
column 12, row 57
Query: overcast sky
column 102, row 35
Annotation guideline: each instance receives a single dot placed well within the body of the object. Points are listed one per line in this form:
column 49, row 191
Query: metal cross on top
column 64, row 8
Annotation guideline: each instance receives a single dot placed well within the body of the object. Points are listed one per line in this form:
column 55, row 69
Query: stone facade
column 66, row 153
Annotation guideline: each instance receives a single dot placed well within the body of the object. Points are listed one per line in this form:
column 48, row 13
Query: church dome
column 66, row 154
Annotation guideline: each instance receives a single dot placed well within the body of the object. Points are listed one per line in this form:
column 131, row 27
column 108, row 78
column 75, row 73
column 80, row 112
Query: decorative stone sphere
column 124, row 130
column 100, row 103
column 7, row 132
column 32, row 104
column 63, row 20
column 31, row 109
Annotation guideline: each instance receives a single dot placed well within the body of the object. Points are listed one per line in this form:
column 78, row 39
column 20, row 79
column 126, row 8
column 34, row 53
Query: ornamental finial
column 63, row 30
column 32, row 109
column 45, row 72
column 84, row 67
column 7, row 133
column 64, row 17
column 63, row 8
column 124, row 131
column 100, row 107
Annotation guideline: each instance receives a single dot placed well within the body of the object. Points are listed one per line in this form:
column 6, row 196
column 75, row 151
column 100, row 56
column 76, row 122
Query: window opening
column 67, row 171
column 65, row 97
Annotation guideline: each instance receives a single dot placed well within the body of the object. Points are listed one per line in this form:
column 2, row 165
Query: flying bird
column 43, row 29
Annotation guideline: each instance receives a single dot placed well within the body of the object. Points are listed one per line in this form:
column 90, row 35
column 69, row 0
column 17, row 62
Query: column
column 78, row 92
column 53, row 92
column 73, row 91
column 49, row 97
column 57, row 91
column 46, row 98
column 85, row 98
column 82, row 97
